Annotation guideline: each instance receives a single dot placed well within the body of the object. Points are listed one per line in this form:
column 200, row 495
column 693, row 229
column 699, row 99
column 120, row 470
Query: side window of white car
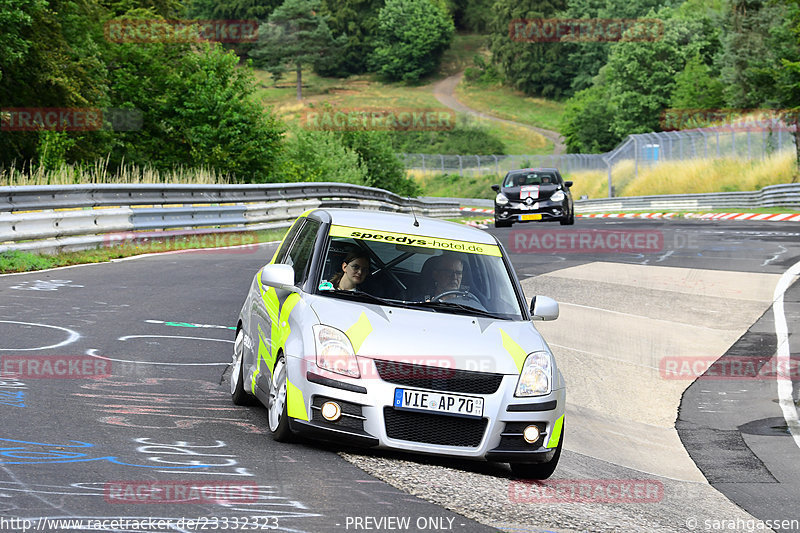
column 299, row 255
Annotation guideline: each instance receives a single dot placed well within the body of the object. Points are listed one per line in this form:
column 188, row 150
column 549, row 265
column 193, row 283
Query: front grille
column 438, row 378
column 512, row 440
column 356, row 421
column 434, row 429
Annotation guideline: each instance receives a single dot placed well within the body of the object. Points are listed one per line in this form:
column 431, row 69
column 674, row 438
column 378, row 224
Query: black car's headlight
column 501, row 199
column 558, row 196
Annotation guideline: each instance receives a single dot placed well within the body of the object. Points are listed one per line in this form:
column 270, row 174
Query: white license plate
column 437, row 402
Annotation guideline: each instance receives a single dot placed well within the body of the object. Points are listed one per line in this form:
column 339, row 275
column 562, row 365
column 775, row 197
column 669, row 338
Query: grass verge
column 513, row 105
column 16, row 261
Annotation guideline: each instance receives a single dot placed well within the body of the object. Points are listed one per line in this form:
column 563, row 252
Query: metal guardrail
column 785, row 195
column 70, row 217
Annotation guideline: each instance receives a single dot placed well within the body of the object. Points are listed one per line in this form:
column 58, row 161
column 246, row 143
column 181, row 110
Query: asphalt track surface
column 162, row 413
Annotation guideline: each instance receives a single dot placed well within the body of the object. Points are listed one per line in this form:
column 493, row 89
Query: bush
column 311, row 155
column 466, row 138
column 411, row 38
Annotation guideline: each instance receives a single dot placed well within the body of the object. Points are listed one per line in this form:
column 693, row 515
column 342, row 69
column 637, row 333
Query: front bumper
column 518, row 212
column 369, row 418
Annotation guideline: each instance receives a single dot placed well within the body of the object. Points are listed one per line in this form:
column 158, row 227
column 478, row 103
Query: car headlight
column 335, row 351
column 501, row 199
column 557, row 196
column 536, row 376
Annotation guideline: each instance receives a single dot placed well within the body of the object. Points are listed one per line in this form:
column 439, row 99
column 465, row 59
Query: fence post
column 717, row 132
column 423, row 162
column 442, row 157
column 635, row 164
column 496, row 167
column 733, row 142
column 749, row 155
column 460, row 165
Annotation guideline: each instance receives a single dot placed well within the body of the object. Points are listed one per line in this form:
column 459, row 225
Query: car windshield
column 437, row 275
column 518, row 179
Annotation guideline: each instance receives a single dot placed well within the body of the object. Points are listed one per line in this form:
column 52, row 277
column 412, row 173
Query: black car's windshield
column 416, row 272
column 532, row 177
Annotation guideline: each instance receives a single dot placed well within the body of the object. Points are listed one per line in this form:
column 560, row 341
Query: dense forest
column 191, row 102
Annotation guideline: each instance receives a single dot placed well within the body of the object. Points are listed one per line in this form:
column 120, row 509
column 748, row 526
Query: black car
column 533, row 194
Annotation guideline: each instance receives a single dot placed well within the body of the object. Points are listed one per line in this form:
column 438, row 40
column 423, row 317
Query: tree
column 296, row 34
column 199, row 110
column 586, row 122
column 411, row 38
column 535, row 68
column 383, row 168
column 695, row 88
column 357, row 22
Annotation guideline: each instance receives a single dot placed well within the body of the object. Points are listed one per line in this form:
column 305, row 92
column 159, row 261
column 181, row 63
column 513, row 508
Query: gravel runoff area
column 484, row 492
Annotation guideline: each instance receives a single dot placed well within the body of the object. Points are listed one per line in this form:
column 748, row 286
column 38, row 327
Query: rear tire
column 277, row 409
column 538, row 470
column 239, row 396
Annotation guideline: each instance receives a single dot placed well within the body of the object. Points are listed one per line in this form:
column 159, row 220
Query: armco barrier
column 55, row 218
column 786, row 195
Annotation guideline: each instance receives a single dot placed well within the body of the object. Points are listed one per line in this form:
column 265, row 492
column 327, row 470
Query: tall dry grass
column 99, row 173
column 689, row 176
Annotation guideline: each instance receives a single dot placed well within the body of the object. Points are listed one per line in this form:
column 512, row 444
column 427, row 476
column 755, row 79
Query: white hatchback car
column 384, row 330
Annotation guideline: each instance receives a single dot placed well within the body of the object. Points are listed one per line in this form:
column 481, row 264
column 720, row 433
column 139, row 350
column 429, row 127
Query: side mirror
column 279, row 276
column 543, row 308
column 496, row 188
column 568, row 184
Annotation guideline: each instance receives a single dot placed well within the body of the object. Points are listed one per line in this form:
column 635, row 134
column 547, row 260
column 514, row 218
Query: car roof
column 404, row 223
column 541, row 169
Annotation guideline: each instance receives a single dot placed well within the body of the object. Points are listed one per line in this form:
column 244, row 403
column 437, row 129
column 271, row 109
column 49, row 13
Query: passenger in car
column 355, row 269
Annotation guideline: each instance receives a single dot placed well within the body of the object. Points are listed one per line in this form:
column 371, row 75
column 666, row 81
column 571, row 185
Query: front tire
column 239, row 396
column 277, row 409
column 568, row 221
column 502, row 223
column 538, row 470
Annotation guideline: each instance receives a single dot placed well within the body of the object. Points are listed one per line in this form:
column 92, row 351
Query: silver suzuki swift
column 384, row 330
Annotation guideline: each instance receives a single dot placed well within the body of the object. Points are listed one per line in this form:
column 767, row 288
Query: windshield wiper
column 363, row 296
column 460, row 307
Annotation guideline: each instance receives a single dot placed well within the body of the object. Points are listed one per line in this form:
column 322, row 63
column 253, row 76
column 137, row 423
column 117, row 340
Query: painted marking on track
column 189, row 325
column 93, row 353
column 44, row 285
column 783, row 355
column 126, row 337
column 73, row 336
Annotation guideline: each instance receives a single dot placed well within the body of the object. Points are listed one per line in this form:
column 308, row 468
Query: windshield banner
column 423, row 241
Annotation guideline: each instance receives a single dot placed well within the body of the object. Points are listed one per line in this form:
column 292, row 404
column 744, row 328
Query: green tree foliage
column 231, row 9
column 696, row 88
column 535, row 68
column 383, row 168
column 357, row 22
column 641, row 75
column 297, row 34
column 411, row 38
column 468, row 137
column 470, row 15
column 198, row 110
column 586, row 122
column 759, row 37
column 311, row 155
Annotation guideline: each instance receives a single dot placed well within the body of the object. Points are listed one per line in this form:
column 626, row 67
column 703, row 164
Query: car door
column 272, row 308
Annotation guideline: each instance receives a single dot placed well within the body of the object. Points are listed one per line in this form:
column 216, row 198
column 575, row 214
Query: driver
column 447, row 273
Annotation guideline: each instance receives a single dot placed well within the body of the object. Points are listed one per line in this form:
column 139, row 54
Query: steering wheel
column 457, row 292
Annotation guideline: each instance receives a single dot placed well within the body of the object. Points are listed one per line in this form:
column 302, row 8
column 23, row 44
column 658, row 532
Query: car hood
column 536, row 192
column 431, row 338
